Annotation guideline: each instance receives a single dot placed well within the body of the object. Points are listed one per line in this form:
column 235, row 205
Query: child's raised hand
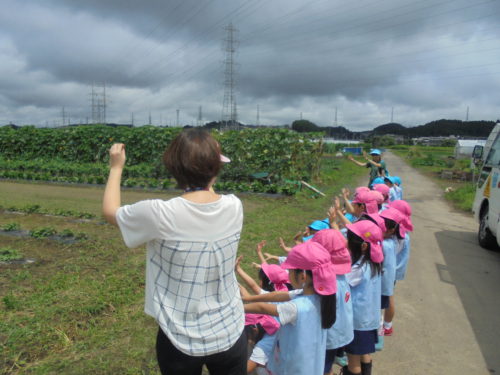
column 284, row 247
column 337, row 203
column 268, row 256
column 256, row 265
column 332, row 214
column 350, row 157
column 298, row 237
column 346, row 193
column 260, row 245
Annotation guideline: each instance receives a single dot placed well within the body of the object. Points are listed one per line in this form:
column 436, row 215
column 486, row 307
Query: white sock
column 387, row 325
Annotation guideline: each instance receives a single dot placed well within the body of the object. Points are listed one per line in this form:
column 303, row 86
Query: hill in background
column 439, row 128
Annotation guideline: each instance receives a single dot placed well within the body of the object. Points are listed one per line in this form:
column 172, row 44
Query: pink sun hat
column 314, row 257
column 382, row 189
column 277, row 275
column 370, row 199
column 361, row 189
column 336, row 244
column 377, row 219
column 405, row 208
column 371, row 233
column 270, row 325
column 398, row 217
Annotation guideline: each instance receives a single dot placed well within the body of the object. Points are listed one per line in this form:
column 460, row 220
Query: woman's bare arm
column 112, row 197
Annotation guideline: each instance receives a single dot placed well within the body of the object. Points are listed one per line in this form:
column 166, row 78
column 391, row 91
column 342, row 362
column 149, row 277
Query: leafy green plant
column 42, row 232
column 66, row 233
column 31, row 208
column 8, row 254
column 9, row 227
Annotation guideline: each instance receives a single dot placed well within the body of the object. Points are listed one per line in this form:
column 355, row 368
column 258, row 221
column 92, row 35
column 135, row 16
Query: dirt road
column 448, row 308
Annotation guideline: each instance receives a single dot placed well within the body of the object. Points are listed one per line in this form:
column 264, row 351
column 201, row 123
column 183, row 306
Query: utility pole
column 467, row 114
column 149, row 122
column 335, row 122
column 161, row 119
column 177, row 117
column 63, row 117
column 229, row 110
column 200, row 116
column 258, row 115
column 392, row 115
column 132, row 118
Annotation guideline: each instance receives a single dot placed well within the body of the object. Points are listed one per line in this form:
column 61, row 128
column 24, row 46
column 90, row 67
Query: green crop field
column 263, row 160
column 78, row 308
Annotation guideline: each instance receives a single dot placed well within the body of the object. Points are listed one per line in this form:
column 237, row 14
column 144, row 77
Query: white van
column 486, row 207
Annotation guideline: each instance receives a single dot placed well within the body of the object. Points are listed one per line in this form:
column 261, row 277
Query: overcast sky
column 425, row 60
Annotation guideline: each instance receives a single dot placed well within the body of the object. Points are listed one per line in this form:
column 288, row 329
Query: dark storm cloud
column 363, row 56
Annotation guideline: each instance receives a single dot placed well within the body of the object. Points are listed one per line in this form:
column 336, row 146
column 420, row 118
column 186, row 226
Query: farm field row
column 78, row 308
column 262, row 160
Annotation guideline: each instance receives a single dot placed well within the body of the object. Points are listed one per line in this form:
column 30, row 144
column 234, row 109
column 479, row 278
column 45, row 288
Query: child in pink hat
column 364, row 240
column 261, row 332
column 402, row 257
column 384, row 190
column 342, row 332
column 395, row 231
column 300, row 344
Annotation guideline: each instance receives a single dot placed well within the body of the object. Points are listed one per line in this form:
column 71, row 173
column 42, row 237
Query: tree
column 305, row 126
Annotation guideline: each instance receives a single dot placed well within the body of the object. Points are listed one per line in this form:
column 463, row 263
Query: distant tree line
column 439, row 128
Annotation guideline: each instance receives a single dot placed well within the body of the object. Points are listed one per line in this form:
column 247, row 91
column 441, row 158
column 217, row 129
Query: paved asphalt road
column 448, row 308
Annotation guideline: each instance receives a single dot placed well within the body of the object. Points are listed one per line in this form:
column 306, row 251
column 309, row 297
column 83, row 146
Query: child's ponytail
column 328, row 306
column 328, row 310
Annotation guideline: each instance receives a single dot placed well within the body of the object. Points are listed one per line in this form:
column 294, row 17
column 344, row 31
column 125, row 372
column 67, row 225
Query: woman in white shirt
column 191, row 240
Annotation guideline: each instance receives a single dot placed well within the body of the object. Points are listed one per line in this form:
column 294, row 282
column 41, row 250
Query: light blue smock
column 389, row 265
column 266, row 344
column 366, row 298
column 299, row 348
column 342, row 332
column 402, row 257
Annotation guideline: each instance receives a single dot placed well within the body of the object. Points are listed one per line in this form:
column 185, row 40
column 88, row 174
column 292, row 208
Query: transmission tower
column 229, row 110
column 98, row 103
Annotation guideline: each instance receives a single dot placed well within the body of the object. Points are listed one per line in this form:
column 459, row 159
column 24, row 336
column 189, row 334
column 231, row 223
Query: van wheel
column 484, row 236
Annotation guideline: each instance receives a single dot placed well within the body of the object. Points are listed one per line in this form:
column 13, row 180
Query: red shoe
column 388, row 332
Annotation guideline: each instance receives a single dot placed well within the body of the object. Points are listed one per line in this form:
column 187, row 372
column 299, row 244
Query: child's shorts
column 384, row 301
column 363, row 342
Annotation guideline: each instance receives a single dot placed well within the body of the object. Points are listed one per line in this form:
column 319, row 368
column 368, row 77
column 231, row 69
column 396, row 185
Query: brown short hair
column 193, row 158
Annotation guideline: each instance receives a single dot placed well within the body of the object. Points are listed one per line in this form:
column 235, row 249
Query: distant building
column 431, row 141
column 341, row 141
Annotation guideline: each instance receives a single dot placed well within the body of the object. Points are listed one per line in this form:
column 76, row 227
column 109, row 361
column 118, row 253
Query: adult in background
column 376, row 164
column 191, row 241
